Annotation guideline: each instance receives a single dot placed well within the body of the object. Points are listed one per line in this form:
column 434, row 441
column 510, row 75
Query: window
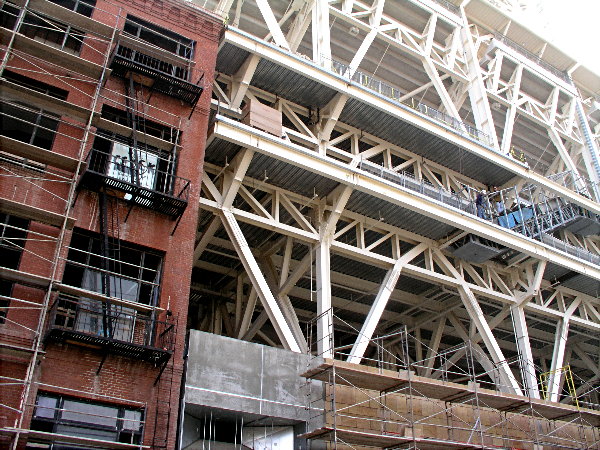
column 123, row 159
column 125, row 271
column 142, row 124
column 84, row 7
column 9, row 15
column 76, row 417
column 47, row 30
column 93, row 317
column 162, row 38
column 13, row 232
column 27, row 123
column 133, row 165
column 138, row 164
column 52, row 32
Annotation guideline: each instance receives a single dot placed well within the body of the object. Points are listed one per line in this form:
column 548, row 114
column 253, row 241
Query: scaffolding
column 25, row 54
column 445, row 400
column 43, row 174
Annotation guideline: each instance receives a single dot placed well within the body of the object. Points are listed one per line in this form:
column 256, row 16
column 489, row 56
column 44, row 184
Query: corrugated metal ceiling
column 408, row 136
column 299, row 89
column 291, row 85
column 230, row 59
column 287, row 176
column 569, row 279
column 400, row 217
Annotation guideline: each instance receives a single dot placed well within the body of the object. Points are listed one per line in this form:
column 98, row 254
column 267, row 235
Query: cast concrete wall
column 249, row 378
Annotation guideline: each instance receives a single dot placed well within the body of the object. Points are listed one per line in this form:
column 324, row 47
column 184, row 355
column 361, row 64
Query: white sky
column 573, row 26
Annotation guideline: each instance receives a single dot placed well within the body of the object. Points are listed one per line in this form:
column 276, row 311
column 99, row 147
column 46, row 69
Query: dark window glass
column 13, row 232
column 161, row 38
column 35, row 85
column 95, row 420
column 52, row 32
column 127, row 271
column 85, row 7
column 28, row 123
column 8, row 16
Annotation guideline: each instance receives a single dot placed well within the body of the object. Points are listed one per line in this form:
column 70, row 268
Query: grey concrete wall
column 249, row 378
column 191, row 430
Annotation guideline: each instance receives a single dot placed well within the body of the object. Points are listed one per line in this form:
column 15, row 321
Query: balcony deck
column 113, row 346
column 127, row 60
column 112, row 328
column 168, row 197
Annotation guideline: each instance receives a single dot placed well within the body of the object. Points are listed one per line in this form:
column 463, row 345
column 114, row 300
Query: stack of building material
column 263, row 117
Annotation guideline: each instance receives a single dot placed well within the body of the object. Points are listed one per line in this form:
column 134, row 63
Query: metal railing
column 152, row 62
column 449, row 6
column 106, row 321
column 129, row 173
column 534, row 222
column 408, row 181
column 575, row 182
column 394, row 93
column 532, row 57
column 170, row 78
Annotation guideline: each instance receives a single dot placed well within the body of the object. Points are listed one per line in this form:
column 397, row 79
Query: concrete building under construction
column 296, row 224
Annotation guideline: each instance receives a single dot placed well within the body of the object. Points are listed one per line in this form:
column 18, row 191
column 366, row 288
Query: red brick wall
column 70, row 368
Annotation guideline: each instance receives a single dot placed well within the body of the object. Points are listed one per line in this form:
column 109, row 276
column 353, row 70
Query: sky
column 573, row 26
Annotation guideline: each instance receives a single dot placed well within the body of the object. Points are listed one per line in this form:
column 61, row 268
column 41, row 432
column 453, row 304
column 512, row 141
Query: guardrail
column 532, row 57
column 449, row 6
column 393, row 93
column 534, row 223
column 137, row 175
column 95, row 320
column 408, row 181
column 151, row 62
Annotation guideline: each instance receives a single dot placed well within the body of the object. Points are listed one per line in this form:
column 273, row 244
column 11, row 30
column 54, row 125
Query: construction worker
column 480, row 202
column 498, row 203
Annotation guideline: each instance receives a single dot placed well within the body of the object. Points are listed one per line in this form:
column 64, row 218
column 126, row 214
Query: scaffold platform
column 384, row 380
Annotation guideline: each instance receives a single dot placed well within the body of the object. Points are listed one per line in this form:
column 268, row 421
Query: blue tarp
column 507, row 220
column 527, row 214
column 510, row 220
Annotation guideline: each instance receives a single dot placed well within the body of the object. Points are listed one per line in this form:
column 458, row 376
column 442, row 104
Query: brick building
column 104, row 115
